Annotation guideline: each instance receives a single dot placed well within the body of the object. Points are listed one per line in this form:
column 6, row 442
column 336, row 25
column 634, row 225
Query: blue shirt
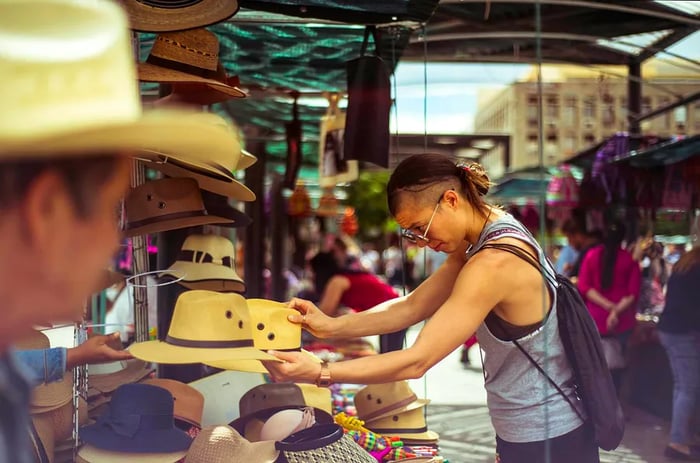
column 567, row 255
column 45, row 365
column 15, row 392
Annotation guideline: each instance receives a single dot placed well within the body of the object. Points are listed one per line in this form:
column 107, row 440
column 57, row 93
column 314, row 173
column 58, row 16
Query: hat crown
column 206, row 316
column 379, row 399
column 216, row 246
column 64, row 64
column 271, row 326
column 163, row 197
column 271, row 396
column 198, row 48
column 142, row 400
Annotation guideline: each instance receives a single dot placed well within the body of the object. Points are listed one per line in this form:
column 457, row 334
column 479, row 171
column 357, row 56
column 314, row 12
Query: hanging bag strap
column 365, row 41
column 515, row 250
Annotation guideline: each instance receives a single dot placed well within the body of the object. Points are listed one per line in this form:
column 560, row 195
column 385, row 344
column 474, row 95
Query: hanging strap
column 515, row 250
column 365, row 42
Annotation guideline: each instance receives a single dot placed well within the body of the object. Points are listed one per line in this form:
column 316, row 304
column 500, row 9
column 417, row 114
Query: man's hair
column 83, row 176
column 573, row 226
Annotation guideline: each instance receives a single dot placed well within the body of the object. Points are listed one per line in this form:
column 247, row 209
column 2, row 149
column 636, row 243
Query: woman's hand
column 312, row 319
column 297, row 367
column 612, row 320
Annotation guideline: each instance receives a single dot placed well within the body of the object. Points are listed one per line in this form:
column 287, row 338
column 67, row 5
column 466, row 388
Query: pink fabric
column 626, row 281
column 366, row 291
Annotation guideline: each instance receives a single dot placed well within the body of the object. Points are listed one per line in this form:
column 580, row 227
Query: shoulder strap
column 515, row 250
column 551, row 381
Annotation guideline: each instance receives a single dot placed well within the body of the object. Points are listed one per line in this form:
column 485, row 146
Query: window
column 609, row 113
column 532, row 110
column 569, row 144
column 589, row 107
column 589, row 139
column 552, row 108
column 570, row 111
column 667, row 116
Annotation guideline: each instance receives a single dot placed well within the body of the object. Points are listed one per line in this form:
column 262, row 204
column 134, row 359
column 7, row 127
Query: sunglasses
column 414, row 237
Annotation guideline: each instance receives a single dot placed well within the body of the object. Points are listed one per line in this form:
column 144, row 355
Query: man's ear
column 45, row 206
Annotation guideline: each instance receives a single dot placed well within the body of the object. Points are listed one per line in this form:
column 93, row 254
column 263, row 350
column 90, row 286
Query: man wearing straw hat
column 71, row 118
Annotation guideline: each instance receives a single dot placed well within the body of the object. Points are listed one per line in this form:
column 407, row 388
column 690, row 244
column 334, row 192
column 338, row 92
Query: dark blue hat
column 139, row 420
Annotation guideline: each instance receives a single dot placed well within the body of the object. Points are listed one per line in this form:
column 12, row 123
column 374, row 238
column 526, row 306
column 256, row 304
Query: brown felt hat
column 166, row 204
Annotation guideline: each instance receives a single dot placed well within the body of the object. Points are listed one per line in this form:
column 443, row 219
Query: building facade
column 581, row 107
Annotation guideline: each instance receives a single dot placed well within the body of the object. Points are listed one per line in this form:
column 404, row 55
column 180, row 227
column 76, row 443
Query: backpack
column 581, row 340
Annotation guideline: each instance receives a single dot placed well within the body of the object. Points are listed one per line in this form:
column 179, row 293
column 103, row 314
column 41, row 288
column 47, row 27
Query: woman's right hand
column 312, row 319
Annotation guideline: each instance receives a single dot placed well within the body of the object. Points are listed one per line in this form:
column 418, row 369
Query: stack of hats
column 104, row 378
column 267, row 411
column 138, row 425
column 52, row 409
column 393, row 409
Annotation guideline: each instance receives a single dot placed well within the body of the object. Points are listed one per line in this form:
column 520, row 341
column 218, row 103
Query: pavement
column 458, row 413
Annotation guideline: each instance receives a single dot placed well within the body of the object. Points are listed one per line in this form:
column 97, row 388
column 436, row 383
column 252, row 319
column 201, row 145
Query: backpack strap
column 551, row 381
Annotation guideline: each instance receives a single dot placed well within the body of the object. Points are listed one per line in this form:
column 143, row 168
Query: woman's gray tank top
column 523, row 405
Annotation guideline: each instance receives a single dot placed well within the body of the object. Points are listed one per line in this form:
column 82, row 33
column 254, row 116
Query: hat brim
column 50, row 396
column 91, row 454
column 135, row 371
column 149, row 72
column 145, row 18
column 418, row 403
column 246, row 160
column 156, row 440
column 171, row 131
column 206, row 276
column 240, row 219
column 226, row 186
column 174, row 224
column 239, row 424
column 162, row 352
column 251, row 366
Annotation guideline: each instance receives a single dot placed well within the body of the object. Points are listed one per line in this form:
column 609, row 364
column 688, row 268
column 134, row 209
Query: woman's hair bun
column 474, row 174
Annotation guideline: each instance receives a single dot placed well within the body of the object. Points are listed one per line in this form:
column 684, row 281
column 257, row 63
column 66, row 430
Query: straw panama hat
column 206, row 262
column 69, row 87
column 192, row 57
column 223, row 444
column 407, row 424
column 206, row 326
column 272, row 330
column 379, row 400
column 216, row 173
column 159, row 15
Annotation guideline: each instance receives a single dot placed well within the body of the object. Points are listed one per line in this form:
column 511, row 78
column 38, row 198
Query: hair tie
column 471, row 167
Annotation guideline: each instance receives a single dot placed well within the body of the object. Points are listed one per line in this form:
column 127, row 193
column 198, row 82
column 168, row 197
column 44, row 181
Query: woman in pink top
column 609, row 281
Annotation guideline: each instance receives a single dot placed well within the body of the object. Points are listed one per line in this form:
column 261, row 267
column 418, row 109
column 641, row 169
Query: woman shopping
column 492, row 293
column 679, row 330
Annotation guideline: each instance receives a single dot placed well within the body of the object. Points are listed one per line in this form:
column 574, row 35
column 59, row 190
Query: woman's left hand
column 296, row 367
column 612, row 320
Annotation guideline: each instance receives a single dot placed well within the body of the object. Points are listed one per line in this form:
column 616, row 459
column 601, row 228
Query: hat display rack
column 119, row 411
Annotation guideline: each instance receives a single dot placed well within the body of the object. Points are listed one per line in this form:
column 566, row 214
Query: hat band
column 396, row 405
column 393, row 431
column 161, row 218
column 203, row 257
column 183, row 67
column 209, row 344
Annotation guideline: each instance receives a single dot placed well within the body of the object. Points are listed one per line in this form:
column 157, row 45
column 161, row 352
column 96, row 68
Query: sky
column 453, row 90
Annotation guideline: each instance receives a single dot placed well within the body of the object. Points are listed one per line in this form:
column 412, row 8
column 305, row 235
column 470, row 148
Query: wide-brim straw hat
column 223, row 444
column 376, row 401
column 225, row 185
column 206, row 326
column 152, row 16
column 409, row 424
column 87, row 102
column 206, row 262
column 91, row 454
column 272, row 330
column 106, row 377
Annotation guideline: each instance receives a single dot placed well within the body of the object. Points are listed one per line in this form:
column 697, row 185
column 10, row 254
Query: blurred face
column 67, row 252
column 575, row 240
